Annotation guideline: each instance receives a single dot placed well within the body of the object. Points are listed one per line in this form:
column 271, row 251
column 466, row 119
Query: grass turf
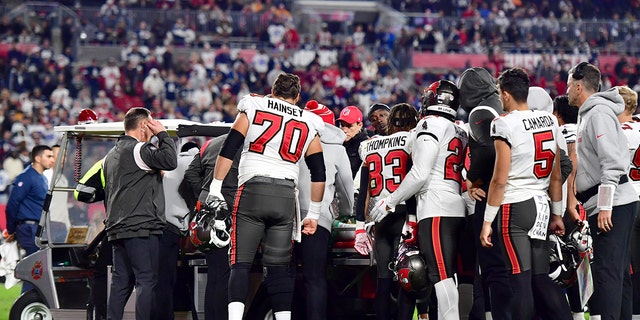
column 7, row 297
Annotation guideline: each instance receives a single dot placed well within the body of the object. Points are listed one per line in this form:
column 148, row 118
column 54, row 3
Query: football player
column 274, row 134
column 631, row 129
column 386, row 161
column 526, row 169
column 435, row 179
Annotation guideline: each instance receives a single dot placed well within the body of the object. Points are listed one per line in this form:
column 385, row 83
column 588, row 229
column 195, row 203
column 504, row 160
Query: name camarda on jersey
column 284, row 108
column 387, row 142
column 544, row 121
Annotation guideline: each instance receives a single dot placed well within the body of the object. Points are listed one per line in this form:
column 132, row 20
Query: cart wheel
column 30, row 306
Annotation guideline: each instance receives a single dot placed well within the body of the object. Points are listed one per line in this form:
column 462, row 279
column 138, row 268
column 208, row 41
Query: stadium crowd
column 41, row 88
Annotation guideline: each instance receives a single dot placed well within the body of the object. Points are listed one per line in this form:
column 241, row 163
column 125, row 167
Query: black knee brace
column 279, row 282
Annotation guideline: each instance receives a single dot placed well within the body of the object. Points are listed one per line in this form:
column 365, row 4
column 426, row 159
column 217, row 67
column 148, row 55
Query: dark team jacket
column 353, row 147
column 199, row 175
column 134, row 197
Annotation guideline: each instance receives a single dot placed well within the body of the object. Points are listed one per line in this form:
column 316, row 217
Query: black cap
column 378, row 106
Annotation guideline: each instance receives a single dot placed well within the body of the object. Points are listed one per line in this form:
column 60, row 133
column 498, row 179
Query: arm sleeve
column 362, row 195
column 566, row 166
column 162, row 157
column 344, row 185
column 423, row 157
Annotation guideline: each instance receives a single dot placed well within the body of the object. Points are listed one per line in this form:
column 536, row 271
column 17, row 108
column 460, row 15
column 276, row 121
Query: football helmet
column 564, row 261
column 87, row 116
column 209, row 228
column 409, row 268
column 580, row 239
column 441, row 96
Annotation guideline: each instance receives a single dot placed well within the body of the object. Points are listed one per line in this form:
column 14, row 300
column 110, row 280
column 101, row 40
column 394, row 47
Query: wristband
column 215, row 187
column 556, row 208
column 605, row 196
column 359, row 225
column 490, row 213
column 314, row 210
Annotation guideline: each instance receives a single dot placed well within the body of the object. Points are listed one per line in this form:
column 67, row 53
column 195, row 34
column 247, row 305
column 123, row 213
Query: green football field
column 7, row 297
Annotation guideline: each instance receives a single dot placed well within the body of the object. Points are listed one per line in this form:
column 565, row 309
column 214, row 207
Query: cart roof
column 117, row 128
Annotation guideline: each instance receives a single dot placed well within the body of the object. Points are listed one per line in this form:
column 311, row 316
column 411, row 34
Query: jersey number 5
column 294, row 135
column 543, row 158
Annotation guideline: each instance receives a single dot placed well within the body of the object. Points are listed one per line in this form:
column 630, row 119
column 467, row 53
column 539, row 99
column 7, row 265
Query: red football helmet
column 410, row 268
column 441, row 96
column 87, row 116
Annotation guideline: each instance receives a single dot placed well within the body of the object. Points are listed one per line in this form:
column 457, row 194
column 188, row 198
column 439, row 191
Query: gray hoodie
column 339, row 180
column 175, row 207
column 602, row 148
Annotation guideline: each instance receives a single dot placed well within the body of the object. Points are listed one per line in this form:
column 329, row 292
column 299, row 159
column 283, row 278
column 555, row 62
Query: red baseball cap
column 321, row 110
column 350, row 115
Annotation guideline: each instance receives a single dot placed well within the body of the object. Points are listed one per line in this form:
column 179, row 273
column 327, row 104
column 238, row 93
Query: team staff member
column 479, row 96
column 527, row 166
column 387, row 160
column 350, row 122
column 199, row 176
column 601, row 185
column 26, row 200
column 135, row 209
column 631, row 129
column 435, row 179
column 275, row 135
column 339, row 183
column 176, row 212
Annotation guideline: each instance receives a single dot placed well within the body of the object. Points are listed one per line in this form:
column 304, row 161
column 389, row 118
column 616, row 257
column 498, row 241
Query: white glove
column 379, row 211
column 215, row 193
column 362, row 242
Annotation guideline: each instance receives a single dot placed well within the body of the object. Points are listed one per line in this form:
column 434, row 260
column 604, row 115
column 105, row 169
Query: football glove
column 410, row 231
column 362, row 242
column 379, row 210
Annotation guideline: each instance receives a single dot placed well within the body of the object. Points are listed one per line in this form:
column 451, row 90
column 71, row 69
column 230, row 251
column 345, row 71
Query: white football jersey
column 632, row 132
column 533, row 137
column 570, row 132
column 388, row 159
column 278, row 137
column 436, row 175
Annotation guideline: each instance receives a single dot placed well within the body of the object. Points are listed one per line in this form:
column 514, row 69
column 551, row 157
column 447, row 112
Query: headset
column 578, row 72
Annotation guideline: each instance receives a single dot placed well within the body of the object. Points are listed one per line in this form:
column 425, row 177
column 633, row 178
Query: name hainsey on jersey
column 533, row 138
column 388, row 159
column 632, row 132
column 278, row 137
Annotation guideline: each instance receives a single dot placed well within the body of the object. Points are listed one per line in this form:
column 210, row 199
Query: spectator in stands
column 153, row 86
column 111, row 74
column 180, row 34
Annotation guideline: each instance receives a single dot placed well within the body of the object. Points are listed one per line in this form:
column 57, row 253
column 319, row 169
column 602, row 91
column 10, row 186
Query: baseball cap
column 350, row 115
column 321, row 110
